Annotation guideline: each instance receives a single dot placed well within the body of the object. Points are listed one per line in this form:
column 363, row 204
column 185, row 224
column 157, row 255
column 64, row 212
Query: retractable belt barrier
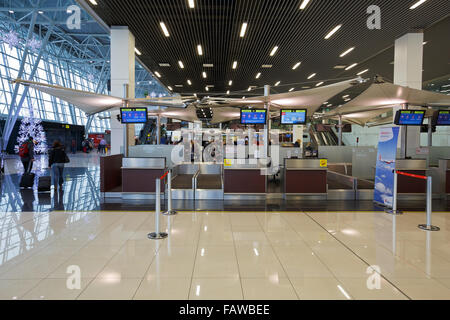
column 170, row 211
column 157, row 235
column 428, row 226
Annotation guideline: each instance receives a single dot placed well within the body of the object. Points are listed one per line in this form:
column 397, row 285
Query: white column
column 122, row 72
column 408, row 65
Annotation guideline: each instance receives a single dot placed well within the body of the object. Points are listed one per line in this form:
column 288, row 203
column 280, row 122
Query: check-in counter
column 139, row 175
column 408, row 185
column 305, row 178
column 244, row 181
column 183, row 181
column 444, row 172
column 209, row 182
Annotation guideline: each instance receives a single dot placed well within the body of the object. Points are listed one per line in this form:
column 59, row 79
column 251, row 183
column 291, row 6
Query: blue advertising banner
column 384, row 176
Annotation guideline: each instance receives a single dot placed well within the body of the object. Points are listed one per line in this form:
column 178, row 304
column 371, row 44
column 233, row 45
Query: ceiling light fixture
column 200, row 50
column 191, row 4
column 158, row 74
column 137, row 51
column 347, row 52
column 207, row 89
column 274, row 50
column 291, row 89
column 93, row 2
column 164, row 29
column 362, row 72
column 228, row 92
column 418, row 3
column 243, row 29
column 204, row 74
column 312, row 76
column 277, row 84
column 304, row 4
column 189, row 82
column 258, row 75
column 328, row 36
column 12, row 11
column 170, row 88
column 351, row 66
column 208, row 65
column 249, row 88
column 319, row 84
column 180, row 63
column 230, row 82
column 234, row 64
column 296, row 65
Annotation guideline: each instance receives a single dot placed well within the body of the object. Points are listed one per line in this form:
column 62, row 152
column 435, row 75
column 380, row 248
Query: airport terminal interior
column 225, row 150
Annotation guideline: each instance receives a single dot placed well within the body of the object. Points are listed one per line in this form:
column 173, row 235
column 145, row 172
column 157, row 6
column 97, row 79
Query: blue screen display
column 134, row 115
column 253, row 116
column 443, row 118
column 411, row 118
column 293, row 116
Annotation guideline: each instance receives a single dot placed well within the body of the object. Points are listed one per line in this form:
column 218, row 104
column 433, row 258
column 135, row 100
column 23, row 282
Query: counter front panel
column 246, row 181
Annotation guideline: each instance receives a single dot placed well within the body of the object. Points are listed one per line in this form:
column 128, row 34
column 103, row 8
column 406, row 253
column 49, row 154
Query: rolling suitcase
column 27, row 180
column 44, row 184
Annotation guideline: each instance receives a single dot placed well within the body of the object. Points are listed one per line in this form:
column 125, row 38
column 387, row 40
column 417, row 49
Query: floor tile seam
column 195, row 261
column 237, row 260
column 279, row 261
column 355, row 254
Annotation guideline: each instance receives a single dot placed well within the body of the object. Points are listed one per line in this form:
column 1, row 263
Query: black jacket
column 56, row 155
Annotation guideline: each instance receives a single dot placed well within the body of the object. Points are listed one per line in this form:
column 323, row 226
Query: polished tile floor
column 223, row 255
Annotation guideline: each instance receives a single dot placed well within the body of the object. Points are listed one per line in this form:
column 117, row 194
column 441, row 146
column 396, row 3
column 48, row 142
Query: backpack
column 23, row 150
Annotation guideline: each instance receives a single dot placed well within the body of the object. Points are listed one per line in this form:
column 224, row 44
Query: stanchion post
column 157, row 235
column 170, row 211
column 429, row 226
column 394, row 210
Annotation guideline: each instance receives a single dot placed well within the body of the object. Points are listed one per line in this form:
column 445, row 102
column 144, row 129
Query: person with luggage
column 26, row 154
column 102, row 146
column 57, row 157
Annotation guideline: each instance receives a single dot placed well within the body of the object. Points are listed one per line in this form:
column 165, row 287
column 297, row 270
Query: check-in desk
column 139, row 177
column 408, row 187
column 183, row 181
column 305, row 178
column 245, row 181
column 209, row 182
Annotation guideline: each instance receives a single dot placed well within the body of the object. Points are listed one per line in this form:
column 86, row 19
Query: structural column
column 122, row 73
column 408, row 65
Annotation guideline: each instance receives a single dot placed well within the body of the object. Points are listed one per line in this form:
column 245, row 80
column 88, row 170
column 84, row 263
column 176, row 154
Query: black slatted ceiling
column 215, row 24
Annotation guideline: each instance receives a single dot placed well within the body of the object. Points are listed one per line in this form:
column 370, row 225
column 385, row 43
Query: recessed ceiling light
column 179, row 85
column 204, row 74
column 191, row 4
column 228, row 92
column 351, row 66
column 249, row 88
column 346, row 96
column 347, row 52
column 230, row 82
column 330, row 105
column 425, row 42
column 200, row 50
column 328, row 36
column 93, row 2
column 312, row 75
column 180, row 63
column 258, row 75
column 267, row 66
column 164, row 64
column 340, row 66
column 296, row 65
column 170, row 88
column 208, row 65
column 12, row 11
column 243, row 29
column 243, row 97
column 304, row 4
column 234, row 64
column 277, row 84
column 189, row 82
column 41, row 12
column 137, row 51
column 291, row 89
column 319, row 84
column 418, row 3
column 206, row 88
column 158, row 74
column 274, row 50
column 362, row 72
column 164, row 29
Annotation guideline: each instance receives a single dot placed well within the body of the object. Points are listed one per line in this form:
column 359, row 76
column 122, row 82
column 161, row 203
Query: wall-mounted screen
column 133, row 115
column 442, row 118
column 253, row 116
column 409, row 117
column 293, row 116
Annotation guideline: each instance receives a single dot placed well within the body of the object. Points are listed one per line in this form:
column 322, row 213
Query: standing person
column 57, row 157
column 26, row 154
column 102, row 146
column 74, row 146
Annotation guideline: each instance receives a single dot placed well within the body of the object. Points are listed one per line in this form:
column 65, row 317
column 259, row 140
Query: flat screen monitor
column 134, row 115
column 253, row 116
column 293, row 116
column 442, row 118
column 409, row 117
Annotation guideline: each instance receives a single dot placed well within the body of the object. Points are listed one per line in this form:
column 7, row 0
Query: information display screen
column 253, row 116
column 134, row 115
column 409, row 117
column 443, row 118
column 293, row 116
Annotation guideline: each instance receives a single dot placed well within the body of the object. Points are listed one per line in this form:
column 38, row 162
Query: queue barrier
column 428, row 226
column 158, row 235
column 170, row 211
